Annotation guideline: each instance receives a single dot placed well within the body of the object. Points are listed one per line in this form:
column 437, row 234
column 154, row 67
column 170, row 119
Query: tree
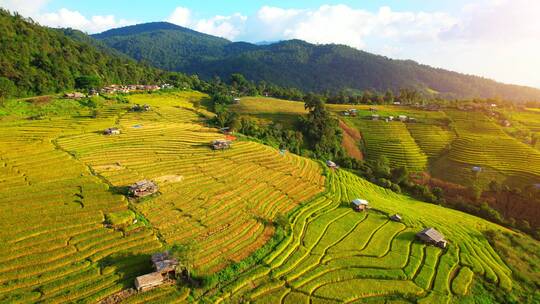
column 399, row 175
column 388, row 97
column 184, row 253
column 7, row 88
column 87, row 82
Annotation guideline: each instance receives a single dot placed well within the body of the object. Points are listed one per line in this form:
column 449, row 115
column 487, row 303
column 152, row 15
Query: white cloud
column 76, row 20
column 24, row 7
column 180, row 16
column 223, row 26
column 345, row 25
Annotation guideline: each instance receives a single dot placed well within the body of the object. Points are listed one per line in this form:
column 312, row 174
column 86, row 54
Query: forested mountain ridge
column 36, row 60
column 165, row 45
column 297, row 63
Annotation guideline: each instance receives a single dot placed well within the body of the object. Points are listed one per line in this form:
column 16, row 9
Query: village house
column 396, row 218
column 236, row 100
column 432, row 236
column 402, row 118
column 397, row 103
column 331, row 164
column 375, row 116
column 148, row 281
column 221, row 144
column 112, row 131
column 74, row 95
column 164, row 263
column 360, row 204
column 164, row 270
column 139, row 108
column 346, row 113
column 143, row 188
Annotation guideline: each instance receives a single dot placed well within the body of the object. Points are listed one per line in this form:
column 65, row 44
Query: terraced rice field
column 55, row 246
column 60, row 176
column 271, row 109
column 220, row 200
column 480, row 142
column 432, row 139
column 336, row 255
column 391, row 139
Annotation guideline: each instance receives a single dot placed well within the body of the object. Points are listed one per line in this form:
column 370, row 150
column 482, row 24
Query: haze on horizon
column 497, row 39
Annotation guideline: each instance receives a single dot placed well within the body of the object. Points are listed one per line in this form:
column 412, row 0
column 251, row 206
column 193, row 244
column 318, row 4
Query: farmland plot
column 393, row 140
column 481, row 143
column 337, row 255
column 55, row 246
column 221, row 200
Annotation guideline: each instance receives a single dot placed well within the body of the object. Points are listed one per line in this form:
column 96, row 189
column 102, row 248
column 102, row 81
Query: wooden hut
column 220, row 144
column 360, row 204
column 331, row 164
column 112, row 131
column 149, row 281
column 432, row 236
column 164, row 263
column 143, row 188
column 396, row 218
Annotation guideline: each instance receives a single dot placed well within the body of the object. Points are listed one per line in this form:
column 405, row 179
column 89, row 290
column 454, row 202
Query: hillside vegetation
column 297, row 63
column 36, row 60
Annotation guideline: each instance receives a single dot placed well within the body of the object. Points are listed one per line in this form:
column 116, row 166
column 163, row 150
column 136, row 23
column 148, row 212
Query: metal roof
column 358, row 202
column 432, row 234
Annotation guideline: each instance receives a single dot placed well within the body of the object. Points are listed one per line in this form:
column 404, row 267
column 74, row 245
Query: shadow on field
column 126, row 265
column 122, row 190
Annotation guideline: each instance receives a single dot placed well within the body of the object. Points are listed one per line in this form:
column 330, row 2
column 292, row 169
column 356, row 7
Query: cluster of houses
column 402, row 118
column 116, row 88
column 428, row 235
column 350, row 112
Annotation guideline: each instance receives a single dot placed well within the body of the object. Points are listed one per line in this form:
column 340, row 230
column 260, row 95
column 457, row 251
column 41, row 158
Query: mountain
column 297, row 63
column 37, row 60
column 165, row 45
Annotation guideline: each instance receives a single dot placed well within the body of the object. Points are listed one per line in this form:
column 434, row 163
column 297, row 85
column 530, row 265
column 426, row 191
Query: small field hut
column 396, row 218
column 112, row 131
column 432, row 236
column 331, row 164
column 221, row 144
column 143, row 188
column 149, row 281
column 164, row 263
column 360, row 204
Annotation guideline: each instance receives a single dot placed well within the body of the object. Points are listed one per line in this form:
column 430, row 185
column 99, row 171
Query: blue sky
column 148, row 10
column 497, row 39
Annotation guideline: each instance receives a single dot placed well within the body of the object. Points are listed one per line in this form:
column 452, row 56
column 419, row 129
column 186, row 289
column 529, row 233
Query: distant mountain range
column 297, row 63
